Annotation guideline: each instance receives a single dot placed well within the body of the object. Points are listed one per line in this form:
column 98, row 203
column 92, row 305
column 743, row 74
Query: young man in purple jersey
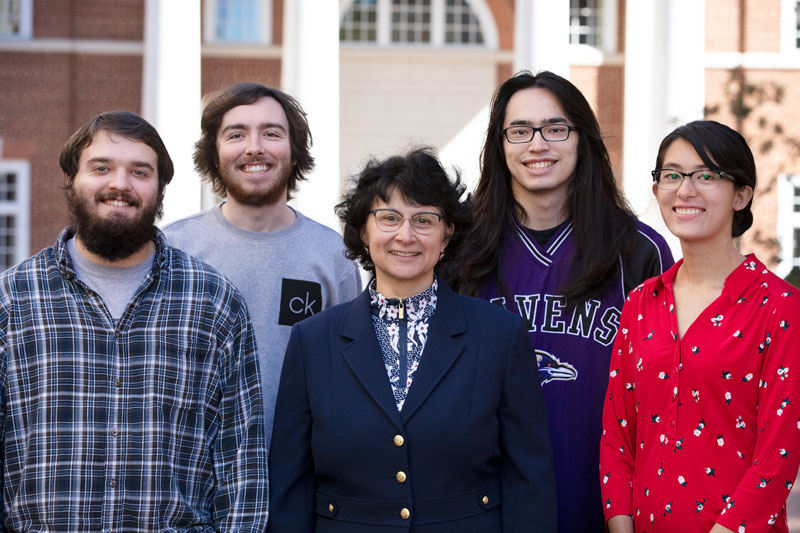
column 555, row 241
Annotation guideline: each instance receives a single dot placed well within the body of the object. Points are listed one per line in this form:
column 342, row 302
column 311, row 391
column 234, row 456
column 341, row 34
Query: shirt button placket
column 114, row 416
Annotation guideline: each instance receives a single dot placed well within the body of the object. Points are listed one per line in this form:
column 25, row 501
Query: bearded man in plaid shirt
column 129, row 384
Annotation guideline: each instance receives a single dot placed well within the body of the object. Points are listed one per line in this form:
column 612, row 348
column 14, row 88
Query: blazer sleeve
column 291, row 464
column 527, row 471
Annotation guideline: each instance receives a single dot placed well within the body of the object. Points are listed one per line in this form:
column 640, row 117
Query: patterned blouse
column 407, row 318
column 704, row 427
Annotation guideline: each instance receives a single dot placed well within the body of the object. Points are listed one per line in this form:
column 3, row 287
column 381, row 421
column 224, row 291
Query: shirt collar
column 386, row 308
column 743, row 276
column 67, row 269
column 737, row 281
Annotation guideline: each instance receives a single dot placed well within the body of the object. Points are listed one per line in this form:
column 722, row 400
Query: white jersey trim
column 533, row 247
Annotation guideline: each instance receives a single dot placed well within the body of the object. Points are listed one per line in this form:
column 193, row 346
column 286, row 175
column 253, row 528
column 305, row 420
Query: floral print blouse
column 394, row 319
column 704, row 427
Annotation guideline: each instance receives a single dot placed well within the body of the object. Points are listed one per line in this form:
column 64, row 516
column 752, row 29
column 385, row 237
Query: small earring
column 441, row 256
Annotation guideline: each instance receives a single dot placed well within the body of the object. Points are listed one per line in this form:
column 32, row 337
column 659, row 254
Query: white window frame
column 787, row 221
column 789, row 27
column 479, row 8
column 21, row 207
column 210, row 24
column 25, row 22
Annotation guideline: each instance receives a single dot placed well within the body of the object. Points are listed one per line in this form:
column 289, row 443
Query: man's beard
column 256, row 198
column 115, row 237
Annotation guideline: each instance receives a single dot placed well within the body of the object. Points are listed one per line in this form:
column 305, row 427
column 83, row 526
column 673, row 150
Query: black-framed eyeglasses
column 702, row 180
column 390, row 220
column 550, row 133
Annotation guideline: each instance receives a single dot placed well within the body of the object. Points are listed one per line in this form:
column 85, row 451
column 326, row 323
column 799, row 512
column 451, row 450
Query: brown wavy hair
column 206, row 157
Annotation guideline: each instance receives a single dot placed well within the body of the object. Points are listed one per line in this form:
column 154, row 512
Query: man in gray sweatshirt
column 254, row 149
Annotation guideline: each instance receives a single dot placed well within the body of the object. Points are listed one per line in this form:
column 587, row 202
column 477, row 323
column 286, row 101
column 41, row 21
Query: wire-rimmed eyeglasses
column 702, row 180
column 390, row 220
column 550, row 133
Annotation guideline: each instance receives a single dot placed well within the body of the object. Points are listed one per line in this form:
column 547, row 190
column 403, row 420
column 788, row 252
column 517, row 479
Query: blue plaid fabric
column 152, row 422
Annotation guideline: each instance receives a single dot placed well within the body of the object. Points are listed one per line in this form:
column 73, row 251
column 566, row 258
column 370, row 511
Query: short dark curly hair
column 420, row 178
column 206, row 157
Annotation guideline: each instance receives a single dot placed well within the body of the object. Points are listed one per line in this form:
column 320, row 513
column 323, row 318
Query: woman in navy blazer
column 445, row 432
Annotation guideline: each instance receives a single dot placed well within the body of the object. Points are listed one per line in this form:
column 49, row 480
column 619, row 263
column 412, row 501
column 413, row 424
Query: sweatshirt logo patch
column 299, row 300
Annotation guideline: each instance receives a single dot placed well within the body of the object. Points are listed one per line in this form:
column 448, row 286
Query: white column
column 541, row 36
column 310, row 73
column 171, row 94
column 664, row 88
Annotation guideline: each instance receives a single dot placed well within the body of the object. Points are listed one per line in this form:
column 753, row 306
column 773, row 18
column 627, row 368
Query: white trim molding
column 753, row 60
column 74, row 46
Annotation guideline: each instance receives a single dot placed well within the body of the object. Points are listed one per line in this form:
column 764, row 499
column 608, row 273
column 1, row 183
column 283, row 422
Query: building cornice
column 73, row 46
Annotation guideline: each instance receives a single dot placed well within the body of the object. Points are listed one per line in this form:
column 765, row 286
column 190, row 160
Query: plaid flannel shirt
column 152, row 422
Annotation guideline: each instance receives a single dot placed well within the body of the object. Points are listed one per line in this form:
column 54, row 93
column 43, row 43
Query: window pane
column 8, row 187
column 585, row 22
column 239, row 21
column 10, row 17
column 411, row 21
column 797, row 10
column 796, row 200
column 796, row 253
column 359, row 24
column 7, row 243
column 461, row 24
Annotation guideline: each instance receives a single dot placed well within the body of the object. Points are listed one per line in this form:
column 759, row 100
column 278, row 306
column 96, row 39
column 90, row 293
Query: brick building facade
column 81, row 57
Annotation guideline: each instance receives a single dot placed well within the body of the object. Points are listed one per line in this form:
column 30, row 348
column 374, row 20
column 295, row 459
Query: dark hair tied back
column 721, row 148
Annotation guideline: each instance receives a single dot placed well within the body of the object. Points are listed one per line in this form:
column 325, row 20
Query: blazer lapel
column 363, row 356
column 441, row 349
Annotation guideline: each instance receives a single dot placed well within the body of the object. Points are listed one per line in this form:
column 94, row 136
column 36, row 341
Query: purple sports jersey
column 573, row 349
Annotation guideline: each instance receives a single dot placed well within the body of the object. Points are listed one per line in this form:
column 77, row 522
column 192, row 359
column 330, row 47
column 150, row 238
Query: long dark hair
column 720, row 148
column 603, row 222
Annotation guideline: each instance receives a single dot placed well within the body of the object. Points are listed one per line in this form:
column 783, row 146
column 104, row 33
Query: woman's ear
column 741, row 197
column 448, row 232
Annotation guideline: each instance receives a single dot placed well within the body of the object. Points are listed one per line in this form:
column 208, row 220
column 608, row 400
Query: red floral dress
column 704, row 428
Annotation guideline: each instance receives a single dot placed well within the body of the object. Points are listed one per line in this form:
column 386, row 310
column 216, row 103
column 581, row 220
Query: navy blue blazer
column 470, row 451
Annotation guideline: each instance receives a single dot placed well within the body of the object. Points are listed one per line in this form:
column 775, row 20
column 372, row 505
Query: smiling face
column 254, row 152
column 698, row 216
column 114, row 198
column 404, row 260
column 539, row 167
